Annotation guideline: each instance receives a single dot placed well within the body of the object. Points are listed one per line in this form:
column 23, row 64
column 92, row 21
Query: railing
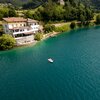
column 34, row 28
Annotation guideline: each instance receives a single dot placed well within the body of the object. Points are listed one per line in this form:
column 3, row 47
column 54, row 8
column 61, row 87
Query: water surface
column 25, row 73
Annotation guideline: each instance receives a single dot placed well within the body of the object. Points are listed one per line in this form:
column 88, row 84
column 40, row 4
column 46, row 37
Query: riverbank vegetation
column 98, row 19
column 55, row 18
column 38, row 36
column 6, row 42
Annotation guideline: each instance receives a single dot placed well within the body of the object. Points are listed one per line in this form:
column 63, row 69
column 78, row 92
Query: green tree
column 38, row 14
column 98, row 19
column 28, row 14
column 48, row 11
column 89, row 14
column 82, row 19
column 4, row 12
column 38, row 36
column 72, row 25
column 12, row 12
column 6, row 42
column 67, row 12
column 58, row 12
column 49, row 28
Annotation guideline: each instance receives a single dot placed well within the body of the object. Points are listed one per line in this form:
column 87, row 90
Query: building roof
column 15, row 19
column 31, row 20
column 18, row 19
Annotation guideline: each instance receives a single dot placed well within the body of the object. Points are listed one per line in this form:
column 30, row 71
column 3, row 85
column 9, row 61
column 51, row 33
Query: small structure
column 21, row 29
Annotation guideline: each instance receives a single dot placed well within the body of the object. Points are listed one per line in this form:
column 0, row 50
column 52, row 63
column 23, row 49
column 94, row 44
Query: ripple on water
column 25, row 73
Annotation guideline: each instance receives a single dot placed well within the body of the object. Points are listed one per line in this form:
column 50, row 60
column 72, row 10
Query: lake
column 26, row 74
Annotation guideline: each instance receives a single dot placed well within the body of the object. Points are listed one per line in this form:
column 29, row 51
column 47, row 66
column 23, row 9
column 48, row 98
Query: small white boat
column 50, row 60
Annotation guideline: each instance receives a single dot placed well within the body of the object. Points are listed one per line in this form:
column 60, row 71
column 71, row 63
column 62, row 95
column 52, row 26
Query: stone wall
column 24, row 40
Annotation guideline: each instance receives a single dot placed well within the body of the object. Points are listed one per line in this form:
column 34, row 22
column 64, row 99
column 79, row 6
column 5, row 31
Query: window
column 30, row 24
column 17, row 30
column 21, row 30
column 18, row 35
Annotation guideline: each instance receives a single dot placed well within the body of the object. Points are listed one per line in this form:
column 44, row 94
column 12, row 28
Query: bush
column 38, row 36
column 98, row 19
column 49, row 28
column 79, row 24
column 6, row 42
column 28, row 14
column 62, row 28
column 87, row 23
column 72, row 25
column 92, row 24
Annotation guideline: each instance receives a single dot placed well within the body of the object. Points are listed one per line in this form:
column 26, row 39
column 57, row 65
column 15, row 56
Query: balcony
column 27, row 29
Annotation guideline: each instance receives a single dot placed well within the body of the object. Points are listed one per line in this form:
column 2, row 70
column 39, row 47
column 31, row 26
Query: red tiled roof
column 15, row 19
column 31, row 20
column 18, row 19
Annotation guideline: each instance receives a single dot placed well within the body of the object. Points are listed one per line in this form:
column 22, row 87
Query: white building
column 21, row 29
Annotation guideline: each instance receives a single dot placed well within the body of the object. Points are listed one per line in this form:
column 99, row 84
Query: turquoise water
column 25, row 73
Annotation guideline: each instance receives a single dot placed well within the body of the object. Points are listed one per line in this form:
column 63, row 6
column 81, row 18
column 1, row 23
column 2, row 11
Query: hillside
column 22, row 2
column 96, row 3
column 93, row 3
column 35, row 3
column 15, row 2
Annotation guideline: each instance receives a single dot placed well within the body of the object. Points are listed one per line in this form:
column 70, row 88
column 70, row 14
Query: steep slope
column 15, row 2
column 27, row 3
column 96, row 3
column 34, row 3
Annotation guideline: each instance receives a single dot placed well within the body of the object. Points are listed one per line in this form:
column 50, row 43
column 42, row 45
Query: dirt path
column 61, row 24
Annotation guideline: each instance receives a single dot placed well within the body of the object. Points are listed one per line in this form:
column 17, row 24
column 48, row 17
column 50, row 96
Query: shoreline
column 46, row 36
column 51, row 34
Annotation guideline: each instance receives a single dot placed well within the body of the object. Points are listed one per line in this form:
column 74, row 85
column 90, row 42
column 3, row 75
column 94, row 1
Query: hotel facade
column 23, row 30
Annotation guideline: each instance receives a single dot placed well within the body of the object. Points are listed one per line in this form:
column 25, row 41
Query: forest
column 34, row 3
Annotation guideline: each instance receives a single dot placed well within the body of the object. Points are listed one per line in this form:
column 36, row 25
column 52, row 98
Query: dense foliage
column 7, row 12
column 53, row 12
column 15, row 2
column 49, row 28
column 6, row 42
column 38, row 36
column 72, row 25
column 24, row 3
column 34, row 3
column 98, row 19
column 62, row 28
